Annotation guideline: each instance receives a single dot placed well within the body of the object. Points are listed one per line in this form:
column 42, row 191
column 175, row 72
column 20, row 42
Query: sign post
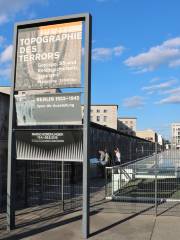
column 86, row 125
column 47, row 54
column 11, row 169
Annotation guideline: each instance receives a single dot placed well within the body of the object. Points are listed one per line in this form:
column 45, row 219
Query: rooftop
column 145, row 130
column 127, row 117
column 5, row 90
column 104, row 105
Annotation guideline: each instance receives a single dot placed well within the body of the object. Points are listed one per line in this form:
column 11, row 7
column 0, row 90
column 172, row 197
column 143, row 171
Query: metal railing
column 152, row 180
column 124, row 175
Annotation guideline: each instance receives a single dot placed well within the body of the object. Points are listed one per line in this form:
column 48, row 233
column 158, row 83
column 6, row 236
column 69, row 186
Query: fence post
column 120, row 180
column 156, row 166
column 106, row 182
column 62, row 185
column 112, row 177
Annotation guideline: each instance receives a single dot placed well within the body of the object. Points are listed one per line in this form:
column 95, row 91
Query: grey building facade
column 104, row 114
column 175, row 130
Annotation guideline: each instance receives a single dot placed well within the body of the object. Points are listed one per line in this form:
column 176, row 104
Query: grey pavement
column 106, row 226
column 110, row 226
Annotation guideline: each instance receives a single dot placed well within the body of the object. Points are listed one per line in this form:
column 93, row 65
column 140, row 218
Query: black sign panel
column 49, row 56
column 50, row 145
column 48, row 109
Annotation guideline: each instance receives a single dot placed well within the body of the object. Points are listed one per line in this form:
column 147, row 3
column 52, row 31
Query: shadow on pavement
column 119, row 222
column 25, row 232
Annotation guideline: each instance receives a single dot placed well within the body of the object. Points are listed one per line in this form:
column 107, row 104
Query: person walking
column 104, row 159
column 101, row 156
column 117, row 156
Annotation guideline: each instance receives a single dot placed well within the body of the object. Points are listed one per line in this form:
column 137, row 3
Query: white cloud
column 155, row 79
column 134, row 102
column 118, row 50
column 173, row 42
column 3, row 19
column 5, row 72
column 172, row 91
column 5, row 59
column 173, row 99
column 165, row 53
column 11, row 7
column 101, row 54
column 160, row 86
column 6, row 55
column 174, row 63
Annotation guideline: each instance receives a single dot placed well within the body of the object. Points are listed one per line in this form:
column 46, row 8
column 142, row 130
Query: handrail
column 129, row 163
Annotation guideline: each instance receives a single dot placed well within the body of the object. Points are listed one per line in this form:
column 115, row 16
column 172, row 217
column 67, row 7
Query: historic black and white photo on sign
column 49, row 56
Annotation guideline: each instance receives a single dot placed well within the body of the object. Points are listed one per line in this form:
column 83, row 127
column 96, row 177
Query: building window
column 105, row 118
column 98, row 110
column 105, row 110
column 98, row 118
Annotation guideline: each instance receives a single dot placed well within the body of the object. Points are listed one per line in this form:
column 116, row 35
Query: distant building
column 147, row 134
column 175, row 131
column 103, row 114
column 127, row 125
column 5, row 90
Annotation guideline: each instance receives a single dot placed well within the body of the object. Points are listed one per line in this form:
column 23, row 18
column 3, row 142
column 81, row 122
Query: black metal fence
column 3, row 174
column 58, row 185
column 42, row 182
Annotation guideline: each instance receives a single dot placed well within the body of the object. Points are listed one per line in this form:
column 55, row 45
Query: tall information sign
column 47, row 55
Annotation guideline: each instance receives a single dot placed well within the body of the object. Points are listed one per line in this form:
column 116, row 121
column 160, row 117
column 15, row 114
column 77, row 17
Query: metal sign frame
column 87, row 19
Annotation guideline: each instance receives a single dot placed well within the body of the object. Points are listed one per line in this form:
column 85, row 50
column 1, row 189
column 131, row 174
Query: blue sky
column 136, row 53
